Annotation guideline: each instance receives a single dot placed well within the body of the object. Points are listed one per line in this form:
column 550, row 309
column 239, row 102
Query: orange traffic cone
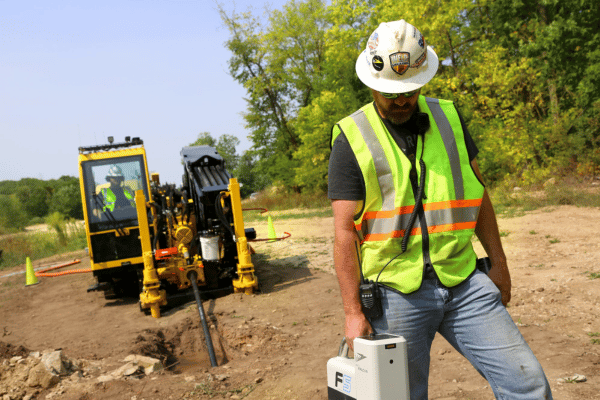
column 30, row 278
column 271, row 234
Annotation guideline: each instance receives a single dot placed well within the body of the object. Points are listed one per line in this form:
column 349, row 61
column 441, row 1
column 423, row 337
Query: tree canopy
column 524, row 74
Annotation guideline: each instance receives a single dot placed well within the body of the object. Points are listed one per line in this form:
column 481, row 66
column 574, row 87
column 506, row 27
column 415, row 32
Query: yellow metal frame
column 104, row 155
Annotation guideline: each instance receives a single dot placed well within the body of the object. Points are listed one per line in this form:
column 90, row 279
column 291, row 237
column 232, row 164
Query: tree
column 66, row 200
column 34, row 198
column 12, row 216
column 225, row 145
column 204, row 139
column 246, row 173
column 280, row 66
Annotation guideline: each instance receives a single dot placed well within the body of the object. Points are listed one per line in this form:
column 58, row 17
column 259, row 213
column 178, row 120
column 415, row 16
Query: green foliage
column 247, row 174
column 66, row 200
column 225, row 146
column 525, row 76
column 273, row 199
column 57, row 222
column 34, row 199
column 16, row 248
column 12, row 217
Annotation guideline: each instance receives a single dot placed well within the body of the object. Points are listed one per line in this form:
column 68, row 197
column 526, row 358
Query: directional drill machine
column 155, row 240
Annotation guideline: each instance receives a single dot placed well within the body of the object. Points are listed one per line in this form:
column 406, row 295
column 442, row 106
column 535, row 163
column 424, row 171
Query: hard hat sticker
column 420, row 60
column 377, row 63
column 400, row 62
column 373, row 43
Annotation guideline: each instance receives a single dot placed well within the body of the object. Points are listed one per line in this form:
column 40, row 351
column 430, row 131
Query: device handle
column 343, row 351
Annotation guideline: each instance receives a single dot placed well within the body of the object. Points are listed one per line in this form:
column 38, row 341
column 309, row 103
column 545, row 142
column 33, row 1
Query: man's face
column 398, row 110
column 114, row 182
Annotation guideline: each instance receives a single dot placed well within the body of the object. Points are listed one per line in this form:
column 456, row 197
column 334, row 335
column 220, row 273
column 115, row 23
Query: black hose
column 221, row 215
column 193, row 276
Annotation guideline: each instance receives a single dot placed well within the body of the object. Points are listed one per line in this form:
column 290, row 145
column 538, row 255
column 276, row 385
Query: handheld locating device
column 378, row 371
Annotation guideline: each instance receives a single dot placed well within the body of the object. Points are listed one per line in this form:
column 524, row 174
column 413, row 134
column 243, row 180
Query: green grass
column 280, row 200
column 253, row 216
column 510, row 203
column 16, row 248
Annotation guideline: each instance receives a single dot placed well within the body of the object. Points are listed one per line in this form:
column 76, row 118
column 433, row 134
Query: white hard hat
column 397, row 59
column 115, row 172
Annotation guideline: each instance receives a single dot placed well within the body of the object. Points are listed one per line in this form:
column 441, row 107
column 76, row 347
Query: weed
column 594, row 275
column 555, row 240
column 536, row 265
column 504, row 233
column 532, row 232
column 595, row 337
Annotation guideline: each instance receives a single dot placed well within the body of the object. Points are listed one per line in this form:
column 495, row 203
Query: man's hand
column 356, row 325
column 501, row 277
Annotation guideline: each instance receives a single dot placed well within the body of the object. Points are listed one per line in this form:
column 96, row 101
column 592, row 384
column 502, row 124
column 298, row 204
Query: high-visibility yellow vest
column 453, row 195
column 110, row 198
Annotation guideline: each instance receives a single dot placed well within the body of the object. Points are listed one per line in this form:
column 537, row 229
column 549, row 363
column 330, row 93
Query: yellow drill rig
column 155, row 241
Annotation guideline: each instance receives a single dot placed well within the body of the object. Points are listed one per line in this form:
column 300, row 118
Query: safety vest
column 453, row 195
column 110, row 198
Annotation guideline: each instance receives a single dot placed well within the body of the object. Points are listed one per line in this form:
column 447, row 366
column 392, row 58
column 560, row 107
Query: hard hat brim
column 401, row 85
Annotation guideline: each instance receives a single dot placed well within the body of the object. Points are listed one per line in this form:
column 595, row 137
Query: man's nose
column 400, row 100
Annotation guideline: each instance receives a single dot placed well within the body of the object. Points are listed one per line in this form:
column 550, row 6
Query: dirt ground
column 275, row 344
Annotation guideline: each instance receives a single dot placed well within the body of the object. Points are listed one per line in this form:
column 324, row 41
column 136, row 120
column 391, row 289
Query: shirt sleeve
column 345, row 180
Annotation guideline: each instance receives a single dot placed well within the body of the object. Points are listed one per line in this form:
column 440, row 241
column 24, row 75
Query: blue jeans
column 471, row 318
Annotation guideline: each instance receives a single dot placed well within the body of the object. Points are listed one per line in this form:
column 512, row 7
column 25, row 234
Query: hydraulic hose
column 193, row 276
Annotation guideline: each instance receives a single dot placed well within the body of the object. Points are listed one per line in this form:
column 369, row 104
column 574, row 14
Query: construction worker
column 407, row 196
column 116, row 195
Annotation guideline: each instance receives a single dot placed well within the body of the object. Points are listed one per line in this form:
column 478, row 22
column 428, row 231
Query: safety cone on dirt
column 30, row 278
column 271, row 234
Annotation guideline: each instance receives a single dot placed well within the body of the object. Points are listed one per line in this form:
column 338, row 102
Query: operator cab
column 110, row 186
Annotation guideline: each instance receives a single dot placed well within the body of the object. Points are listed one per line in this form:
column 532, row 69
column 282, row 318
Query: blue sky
column 74, row 72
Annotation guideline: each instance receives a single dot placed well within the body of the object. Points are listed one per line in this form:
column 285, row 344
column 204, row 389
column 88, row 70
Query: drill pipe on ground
column 209, row 344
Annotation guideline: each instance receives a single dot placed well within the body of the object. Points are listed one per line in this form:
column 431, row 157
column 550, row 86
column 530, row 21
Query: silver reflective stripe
column 389, row 225
column 452, row 215
column 382, row 166
column 450, row 142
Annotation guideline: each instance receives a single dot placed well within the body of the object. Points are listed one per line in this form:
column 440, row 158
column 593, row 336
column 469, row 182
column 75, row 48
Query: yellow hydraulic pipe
column 246, row 281
column 152, row 297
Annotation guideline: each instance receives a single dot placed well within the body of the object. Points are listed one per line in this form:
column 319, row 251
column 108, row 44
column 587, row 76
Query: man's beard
column 400, row 116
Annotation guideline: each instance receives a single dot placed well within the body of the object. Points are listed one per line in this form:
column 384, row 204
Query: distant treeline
column 30, row 201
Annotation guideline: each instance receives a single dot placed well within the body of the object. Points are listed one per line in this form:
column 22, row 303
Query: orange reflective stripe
column 452, row 204
column 451, row 227
column 373, row 237
column 389, row 213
